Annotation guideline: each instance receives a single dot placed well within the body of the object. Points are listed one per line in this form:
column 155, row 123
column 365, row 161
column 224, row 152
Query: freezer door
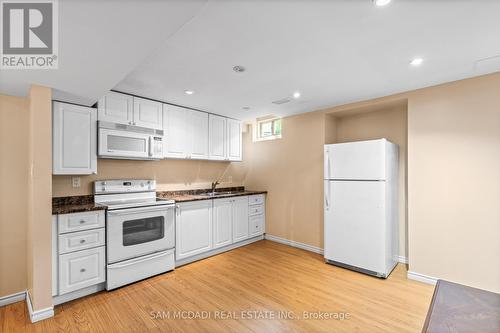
column 363, row 160
column 355, row 224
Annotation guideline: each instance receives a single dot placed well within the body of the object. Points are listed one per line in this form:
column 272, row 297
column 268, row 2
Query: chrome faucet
column 214, row 184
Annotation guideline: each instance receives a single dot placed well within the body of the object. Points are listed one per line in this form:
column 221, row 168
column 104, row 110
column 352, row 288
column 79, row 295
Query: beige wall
column 291, row 170
column 39, row 276
column 388, row 123
column 169, row 175
column 453, row 167
column 14, row 174
column 454, row 182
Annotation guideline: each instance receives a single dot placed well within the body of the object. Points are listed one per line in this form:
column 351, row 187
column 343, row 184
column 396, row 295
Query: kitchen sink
column 218, row 194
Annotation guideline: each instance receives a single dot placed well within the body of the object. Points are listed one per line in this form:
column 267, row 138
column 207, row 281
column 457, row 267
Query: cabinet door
column 234, row 140
column 148, row 113
column 218, row 138
column 116, row 108
column 256, row 225
column 81, row 269
column 193, row 228
column 240, row 219
column 222, row 222
column 176, row 136
column 74, row 139
column 198, row 131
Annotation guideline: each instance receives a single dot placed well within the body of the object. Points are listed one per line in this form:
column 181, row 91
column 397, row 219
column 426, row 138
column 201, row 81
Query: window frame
column 258, row 129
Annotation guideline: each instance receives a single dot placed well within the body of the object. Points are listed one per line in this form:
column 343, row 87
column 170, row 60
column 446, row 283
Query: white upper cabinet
column 128, row 110
column 234, row 140
column 185, row 133
column 74, row 139
column 218, row 137
column 175, row 128
column 117, row 108
column 148, row 113
column 198, row 134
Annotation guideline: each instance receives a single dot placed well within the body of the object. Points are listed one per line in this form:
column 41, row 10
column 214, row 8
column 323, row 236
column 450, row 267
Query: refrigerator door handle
column 327, row 197
column 327, row 164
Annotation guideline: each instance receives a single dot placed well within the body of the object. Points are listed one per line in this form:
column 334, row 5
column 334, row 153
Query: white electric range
column 140, row 234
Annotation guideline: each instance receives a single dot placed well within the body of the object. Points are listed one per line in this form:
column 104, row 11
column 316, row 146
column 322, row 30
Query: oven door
column 124, row 144
column 135, row 232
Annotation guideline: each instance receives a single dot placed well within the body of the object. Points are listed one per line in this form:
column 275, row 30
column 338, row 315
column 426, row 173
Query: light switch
column 75, row 181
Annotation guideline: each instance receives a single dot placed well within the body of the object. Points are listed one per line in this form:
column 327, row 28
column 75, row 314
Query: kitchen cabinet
column 234, row 140
column 148, row 113
column 218, row 137
column 193, row 232
column 128, row 110
column 256, row 215
column 240, row 219
column 222, row 222
column 185, row 133
column 78, row 254
column 116, row 108
column 74, row 139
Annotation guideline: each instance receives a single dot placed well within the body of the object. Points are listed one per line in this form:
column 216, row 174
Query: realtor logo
column 29, row 34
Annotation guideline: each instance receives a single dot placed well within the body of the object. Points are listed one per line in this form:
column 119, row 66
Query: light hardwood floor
column 265, row 276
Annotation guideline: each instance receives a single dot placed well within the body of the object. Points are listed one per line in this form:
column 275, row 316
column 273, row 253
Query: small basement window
column 267, row 129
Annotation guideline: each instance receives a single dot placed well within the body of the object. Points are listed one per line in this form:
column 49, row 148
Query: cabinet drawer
column 256, row 199
column 81, row 269
column 81, row 221
column 256, row 210
column 256, row 225
column 81, row 240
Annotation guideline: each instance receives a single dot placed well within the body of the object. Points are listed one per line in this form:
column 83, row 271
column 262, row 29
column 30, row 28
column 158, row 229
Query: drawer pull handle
column 82, row 221
column 82, row 241
column 82, row 270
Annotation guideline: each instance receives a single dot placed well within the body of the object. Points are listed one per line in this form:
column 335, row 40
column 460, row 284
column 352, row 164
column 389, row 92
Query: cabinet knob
column 82, row 221
column 82, row 270
column 82, row 241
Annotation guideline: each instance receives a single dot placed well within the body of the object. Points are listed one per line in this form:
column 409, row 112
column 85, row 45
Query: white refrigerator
column 361, row 206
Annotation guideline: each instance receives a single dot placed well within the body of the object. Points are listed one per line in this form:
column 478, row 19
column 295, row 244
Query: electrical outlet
column 75, row 181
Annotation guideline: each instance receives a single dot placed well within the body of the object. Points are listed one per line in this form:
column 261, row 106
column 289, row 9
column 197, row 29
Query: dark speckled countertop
column 75, row 204
column 85, row 203
column 196, row 195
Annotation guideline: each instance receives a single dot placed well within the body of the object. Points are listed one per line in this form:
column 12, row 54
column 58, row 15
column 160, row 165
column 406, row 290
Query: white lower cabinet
column 78, row 252
column 193, row 228
column 81, row 269
column 240, row 219
column 256, row 225
column 223, row 222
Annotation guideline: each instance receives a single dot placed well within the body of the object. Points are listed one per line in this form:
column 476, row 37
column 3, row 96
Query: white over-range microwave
column 129, row 142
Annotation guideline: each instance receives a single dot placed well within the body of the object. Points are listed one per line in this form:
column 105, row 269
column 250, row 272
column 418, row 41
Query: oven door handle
column 126, row 211
column 141, row 259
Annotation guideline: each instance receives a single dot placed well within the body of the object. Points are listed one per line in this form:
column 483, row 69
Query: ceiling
column 333, row 52
column 100, row 42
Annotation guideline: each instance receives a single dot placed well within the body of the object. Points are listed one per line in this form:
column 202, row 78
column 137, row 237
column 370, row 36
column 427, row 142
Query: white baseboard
column 299, row 245
column 78, row 293
column 9, row 299
column 422, row 278
column 403, row 259
column 38, row 314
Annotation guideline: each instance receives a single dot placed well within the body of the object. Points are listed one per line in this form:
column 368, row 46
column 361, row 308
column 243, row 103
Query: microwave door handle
column 150, row 144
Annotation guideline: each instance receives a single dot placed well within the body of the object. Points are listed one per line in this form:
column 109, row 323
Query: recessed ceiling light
column 417, row 62
column 188, row 92
column 296, row 95
column 381, row 3
column 239, row 69
column 246, row 108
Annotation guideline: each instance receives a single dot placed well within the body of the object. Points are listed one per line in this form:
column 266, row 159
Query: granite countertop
column 195, row 195
column 85, row 203
column 75, row 204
